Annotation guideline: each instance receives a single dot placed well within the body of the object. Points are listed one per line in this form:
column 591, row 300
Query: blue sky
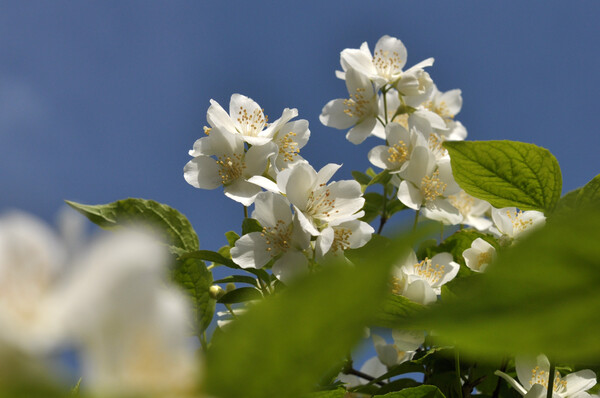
column 101, row 100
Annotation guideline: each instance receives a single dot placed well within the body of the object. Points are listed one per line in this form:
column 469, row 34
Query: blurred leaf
column 361, row 178
column 373, row 206
column 586, row 196
column 284, row 344
column 208, row 255
column 240, row 295
column 416, row 392
column 337, row 393
column 382, row 178
column 396, row 312
column 238, row 279
column 507, row 173
column 395, row 206
column 193, row 276
column 250, row 225
column 541, row 296
column 177, row 229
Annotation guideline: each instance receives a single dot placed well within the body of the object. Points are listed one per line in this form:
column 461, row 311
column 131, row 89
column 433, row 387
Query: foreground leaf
column 587, row 196
column 540, row 296
column 416, row 392
column 507, row 173
column 283, row 345
column 177, row 230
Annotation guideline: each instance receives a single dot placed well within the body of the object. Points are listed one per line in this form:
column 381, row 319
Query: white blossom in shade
column 334, row 239
column 514, row 223
column 232, row 167
column 472, row 210
column 282, row 239
column 479, row 255
column 400, row 144
column 415, row 85
column 401, row 350
column 246, row 119
column 372, row 367
column 290, row 138
column 426, row 183
column 446, row 104
column 31, row 264
column 317, row 203
column 358, row 112
column 421, row 281
column 534, row 377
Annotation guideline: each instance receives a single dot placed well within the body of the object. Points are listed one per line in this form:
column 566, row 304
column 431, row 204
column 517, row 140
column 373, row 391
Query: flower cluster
column 303, row 216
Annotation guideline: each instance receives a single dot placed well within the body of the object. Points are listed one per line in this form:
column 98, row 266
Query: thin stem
column 503, row 366
column 441, row 232
column 365, row 376
column 230, row 310
column 380, row 121
column 245, row 212
column 551, row 380
column 416, row 220
column 457, row 366
column 210, row 266
column 385, row 111
column 383, row 218
column 263, row 286
column 202, row 338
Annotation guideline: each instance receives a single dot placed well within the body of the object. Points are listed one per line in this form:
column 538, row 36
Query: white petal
column 512, row 382
column 392, row 45
column 324, row 242
column 290, row 265
column 359, row 61
column 218, row 117
column 361, row 131
column 306, row 223
column 250, row 251
column 265, row 183
column 242, row 191
column 580, row 381
column 299, row 184
column 256, row 159
column 379, row 155
column 326, row 172
column 269, row 208
column 453, row 101
column 202, row 172
column 409, row 195
column 333, row 115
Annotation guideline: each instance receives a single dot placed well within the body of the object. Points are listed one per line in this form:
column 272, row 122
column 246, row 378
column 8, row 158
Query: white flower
column 472, row 210
column 359, row 111
column 421, row 281
column 317, row 203
column 246, row 119
column 515, row 223
column 479, row 255
column 335, row 239
column 282, row 239
column 533, row 373
column 400, row 144
column 447, row 104
column 427, row 182
column 415, row 85
column 372, row 367
column 232, row 167
column 290, row 138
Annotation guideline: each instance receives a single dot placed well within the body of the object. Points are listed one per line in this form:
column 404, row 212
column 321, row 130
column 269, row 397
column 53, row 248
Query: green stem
column 441, row 232
column 416, row 220
column 245, row 212
column 202, row 338
column 551, row 380
column 230, row 310
column 383, row 218
column 457, row 366
column 385, row 111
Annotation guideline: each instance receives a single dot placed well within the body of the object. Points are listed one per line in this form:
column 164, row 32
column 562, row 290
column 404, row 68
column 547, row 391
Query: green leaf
column 284, row 344
column 238, row 279
column 250, row 225
column 361, row 178
column 458, row 242
column 507, row 173
column 540, row 296
column 193, row 276
column 382, row 178
column 586, row 196
column 416, row 392
column 396, row 312
column 232, row 237
column 240, row 295
column 208, row 255
column 177, row 229
column 373, row 206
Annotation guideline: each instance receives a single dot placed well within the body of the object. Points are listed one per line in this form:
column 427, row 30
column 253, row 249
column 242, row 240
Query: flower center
column 341, row 239
column 357, row 104
column 278, row 238
column 463, row 202
column 432, row 273
column 483, row 259
column 387, row 63
column 230, row 168
column 441, row 109
column 432, row 187
column 251, row 123
column 519, row 222
column 435, row 145
column 320, row 204
column 539, row 376
column 288, row 148
column 397, row 153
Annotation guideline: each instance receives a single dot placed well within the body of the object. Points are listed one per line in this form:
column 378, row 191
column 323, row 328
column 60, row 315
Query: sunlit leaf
column 507, row 173
column 177, row 229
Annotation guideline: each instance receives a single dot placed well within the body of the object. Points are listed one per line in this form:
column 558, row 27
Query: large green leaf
column 337, row 393
column 193, row 276
column 587, row 196
column 416, row 392
column 396, row 312
column 283, row 345
column 177, row 230
column 540, row 296
column 507, row 173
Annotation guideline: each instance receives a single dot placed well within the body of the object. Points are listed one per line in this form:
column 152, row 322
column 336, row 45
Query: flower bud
column 216, row 292
column 229, row 287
